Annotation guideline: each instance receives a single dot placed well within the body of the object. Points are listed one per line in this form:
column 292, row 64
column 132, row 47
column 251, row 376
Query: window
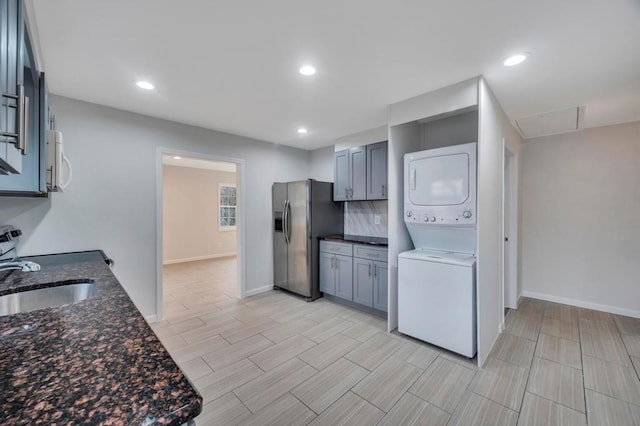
column 227, row 203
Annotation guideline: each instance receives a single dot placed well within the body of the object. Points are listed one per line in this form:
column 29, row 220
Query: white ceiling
column 232, row 65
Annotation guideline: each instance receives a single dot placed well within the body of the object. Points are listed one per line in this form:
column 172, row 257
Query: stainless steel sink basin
column 32, row 300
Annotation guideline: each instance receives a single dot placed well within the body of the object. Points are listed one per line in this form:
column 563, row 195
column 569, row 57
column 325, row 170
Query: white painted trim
column 240, row 235
column 582, row 304
column 193, row 259
column 151, row 319
column 510, row 184
column 255, row 291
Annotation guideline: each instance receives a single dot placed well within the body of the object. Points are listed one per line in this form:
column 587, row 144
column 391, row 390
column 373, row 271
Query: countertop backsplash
column 360, row 218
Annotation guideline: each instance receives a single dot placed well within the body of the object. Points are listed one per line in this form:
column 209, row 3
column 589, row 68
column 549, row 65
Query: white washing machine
column 437, row 299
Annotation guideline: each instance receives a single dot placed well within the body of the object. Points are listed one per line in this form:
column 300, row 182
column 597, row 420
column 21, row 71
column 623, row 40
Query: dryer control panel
column 464, row 216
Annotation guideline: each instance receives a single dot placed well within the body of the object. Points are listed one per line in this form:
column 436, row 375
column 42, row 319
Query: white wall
column 191, row 214
column 321, row 164
column 581, row 204
column 111, row 203
column 366, row 137
column 403, row 138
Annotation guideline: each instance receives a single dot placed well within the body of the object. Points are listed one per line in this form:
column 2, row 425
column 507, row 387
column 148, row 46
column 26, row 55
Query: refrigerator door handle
column 285, row 221
column 288, row 221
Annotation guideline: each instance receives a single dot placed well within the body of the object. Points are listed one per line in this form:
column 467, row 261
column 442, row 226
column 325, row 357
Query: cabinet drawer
column 371, row 253
column 345, row 249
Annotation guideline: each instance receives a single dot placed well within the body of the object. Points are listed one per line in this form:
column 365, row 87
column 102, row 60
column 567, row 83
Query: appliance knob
column 433, row 218
column 426, row 219
column 409, row 213
column 466, row 214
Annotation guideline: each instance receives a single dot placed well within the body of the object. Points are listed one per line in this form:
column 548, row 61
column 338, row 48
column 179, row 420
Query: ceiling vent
column 551, row 123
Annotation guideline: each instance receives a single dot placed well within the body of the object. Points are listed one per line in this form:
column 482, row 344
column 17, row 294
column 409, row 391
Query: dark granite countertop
column 356, row 239
column 93, row 362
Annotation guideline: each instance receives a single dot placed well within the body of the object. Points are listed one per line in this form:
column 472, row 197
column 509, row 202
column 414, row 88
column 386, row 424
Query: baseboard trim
column 151, row 318
column 259, row 290
column 193, row 259
column 582, row 304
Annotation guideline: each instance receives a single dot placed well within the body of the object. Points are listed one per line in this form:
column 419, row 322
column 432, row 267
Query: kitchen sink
column 50, row 297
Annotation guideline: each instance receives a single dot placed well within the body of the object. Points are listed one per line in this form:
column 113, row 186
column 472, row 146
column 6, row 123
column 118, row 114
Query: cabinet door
column 363, row 280
column 31, row 179
column 341, row 175
column 358, row 173
column 377, row 171
column 344, row 277
column 380, row 292
column 327, row 273
column 11, row 35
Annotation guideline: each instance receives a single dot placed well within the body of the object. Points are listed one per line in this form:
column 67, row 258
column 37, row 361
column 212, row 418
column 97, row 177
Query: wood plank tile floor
column 275, row 359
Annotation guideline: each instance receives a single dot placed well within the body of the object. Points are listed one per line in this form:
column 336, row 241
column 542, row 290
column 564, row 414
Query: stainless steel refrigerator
column 302, row 212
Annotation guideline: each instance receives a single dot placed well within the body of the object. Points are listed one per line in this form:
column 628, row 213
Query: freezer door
column 278, row 227
column 298, row 219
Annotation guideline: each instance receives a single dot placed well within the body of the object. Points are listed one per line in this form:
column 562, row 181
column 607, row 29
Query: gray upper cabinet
column 380, row 286
column 32, row 126
column 360, row 173
column 377, row 171
column 341, row 185
column 12, row 101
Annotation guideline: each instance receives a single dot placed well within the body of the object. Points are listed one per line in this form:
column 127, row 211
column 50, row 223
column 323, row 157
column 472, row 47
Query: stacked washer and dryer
column 436, row 280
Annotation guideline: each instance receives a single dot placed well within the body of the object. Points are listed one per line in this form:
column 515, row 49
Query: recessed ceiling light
column 145, row 85
column 307, row 70
column 177, row 157
column 515, row 59
column 302, row 130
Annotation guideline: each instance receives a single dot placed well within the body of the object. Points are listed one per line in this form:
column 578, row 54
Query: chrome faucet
column 23, row 265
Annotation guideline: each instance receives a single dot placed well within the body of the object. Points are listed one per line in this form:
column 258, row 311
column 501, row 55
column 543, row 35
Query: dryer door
column 439, row 180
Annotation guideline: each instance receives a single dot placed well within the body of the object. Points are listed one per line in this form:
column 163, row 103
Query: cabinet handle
column 346, row 193
column 25, row 124
column 369, row 269
column 21, row 122
column 383, row 189
column 337, row 263
column 375, row 270
column 351, row 191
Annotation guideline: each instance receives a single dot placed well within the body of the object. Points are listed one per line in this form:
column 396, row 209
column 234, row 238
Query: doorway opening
column 200, row 234
column 510, row 223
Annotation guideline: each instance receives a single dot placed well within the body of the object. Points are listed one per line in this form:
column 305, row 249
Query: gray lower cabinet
column 327, row 274
column 344, row 277
column 336, row 275
column 363, row 279
column 380, row 287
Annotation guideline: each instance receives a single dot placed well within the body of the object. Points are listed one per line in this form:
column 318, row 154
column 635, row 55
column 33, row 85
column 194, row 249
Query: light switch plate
column 376, row 219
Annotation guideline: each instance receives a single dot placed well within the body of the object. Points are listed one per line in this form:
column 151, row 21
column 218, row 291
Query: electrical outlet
column 376, row 219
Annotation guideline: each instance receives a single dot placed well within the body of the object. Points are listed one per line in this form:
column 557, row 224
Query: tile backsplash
column 360, row 218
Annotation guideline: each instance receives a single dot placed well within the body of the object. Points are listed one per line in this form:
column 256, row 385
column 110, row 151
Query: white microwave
column 59, row 171
column 440, row 186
